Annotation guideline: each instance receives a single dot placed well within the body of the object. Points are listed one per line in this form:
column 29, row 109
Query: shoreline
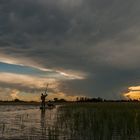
column 66, row 103
column 19, row 103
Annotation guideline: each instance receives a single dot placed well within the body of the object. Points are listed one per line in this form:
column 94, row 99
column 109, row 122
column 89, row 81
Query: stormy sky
column 80, row 47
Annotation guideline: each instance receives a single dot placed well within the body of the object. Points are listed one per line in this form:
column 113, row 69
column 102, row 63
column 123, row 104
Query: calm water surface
column 26, row 122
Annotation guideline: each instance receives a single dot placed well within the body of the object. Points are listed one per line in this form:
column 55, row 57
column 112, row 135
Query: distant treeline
column 21, row 101
column 85, row 99
column 17, row 101
column 79, row 99
column 99, row 99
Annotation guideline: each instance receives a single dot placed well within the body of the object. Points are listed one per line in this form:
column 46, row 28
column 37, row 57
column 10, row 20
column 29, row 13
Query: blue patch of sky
column 18, row 69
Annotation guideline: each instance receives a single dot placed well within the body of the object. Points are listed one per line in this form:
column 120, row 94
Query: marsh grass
column 99, row 121
column 72, row 121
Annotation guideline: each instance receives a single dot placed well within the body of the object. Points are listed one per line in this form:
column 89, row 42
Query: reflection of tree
column 43, row 123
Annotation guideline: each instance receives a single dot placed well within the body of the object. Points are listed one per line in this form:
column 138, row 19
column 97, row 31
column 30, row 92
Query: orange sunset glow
column 133, row 93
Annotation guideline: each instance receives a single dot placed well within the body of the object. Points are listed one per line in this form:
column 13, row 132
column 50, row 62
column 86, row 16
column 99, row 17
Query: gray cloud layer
column 96, row 37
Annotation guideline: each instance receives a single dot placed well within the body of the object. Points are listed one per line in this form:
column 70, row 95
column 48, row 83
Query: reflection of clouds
column 43, row 123
column 48, row 121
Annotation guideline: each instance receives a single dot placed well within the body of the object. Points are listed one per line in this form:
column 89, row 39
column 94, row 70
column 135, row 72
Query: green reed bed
column 99, row 121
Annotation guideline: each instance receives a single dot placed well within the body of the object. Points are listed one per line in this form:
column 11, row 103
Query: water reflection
column 69, row 123
column 43, row 124
column 26, row 122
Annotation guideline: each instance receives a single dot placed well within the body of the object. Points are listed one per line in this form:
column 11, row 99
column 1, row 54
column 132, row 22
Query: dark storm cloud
column 95, row 37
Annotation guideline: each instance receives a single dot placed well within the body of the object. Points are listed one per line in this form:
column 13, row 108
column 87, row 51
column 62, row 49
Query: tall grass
column 78, row 121
column 99, row 121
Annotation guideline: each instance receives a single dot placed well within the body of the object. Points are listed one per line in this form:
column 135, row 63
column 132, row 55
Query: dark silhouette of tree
column 17, row 100
column 59, row 100
column 55, row 99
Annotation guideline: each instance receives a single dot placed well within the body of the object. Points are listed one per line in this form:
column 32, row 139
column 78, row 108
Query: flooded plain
column 97, row 121
column 25, row 122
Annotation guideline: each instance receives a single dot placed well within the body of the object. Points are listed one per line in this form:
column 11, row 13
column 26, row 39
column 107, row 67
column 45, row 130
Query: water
column 26, row 122
column 101, row 121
